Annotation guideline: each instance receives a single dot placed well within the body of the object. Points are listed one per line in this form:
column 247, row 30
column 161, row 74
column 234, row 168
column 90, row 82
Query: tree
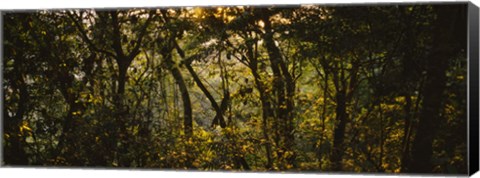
column 445, row 46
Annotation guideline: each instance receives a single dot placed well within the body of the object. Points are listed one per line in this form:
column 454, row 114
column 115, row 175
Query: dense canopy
column 298, row 88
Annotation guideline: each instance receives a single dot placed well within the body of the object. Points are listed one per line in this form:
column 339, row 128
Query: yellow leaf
column 196, row 164
column 25, row 127
column 399, row 99
column 76, row 113
column 135, row 130
column 320, row 100
column 263, row 140
column 244, row 148
column 289, row 166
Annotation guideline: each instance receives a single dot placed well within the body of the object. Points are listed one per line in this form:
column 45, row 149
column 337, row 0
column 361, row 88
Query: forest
column 306, row 88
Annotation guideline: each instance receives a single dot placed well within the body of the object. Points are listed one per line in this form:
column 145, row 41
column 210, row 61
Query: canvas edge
column 1, row 90
column 472, row 90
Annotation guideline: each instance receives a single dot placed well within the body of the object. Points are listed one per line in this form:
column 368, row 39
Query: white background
column 103, row 173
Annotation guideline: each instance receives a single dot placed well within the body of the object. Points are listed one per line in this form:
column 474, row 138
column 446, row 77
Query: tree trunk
column 444, row 47
column 187, row 106
column 13, row 142
column 408, row 80
column 284, row 88
column 406, row 133
column 339, row 131
column 218, row 119
column 122, row 112
column 319, row 153
column 123, row 65
column 267, row 111
column 14, row 148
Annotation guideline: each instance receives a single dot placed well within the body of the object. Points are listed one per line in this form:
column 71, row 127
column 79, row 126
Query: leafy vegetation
column 306, row 88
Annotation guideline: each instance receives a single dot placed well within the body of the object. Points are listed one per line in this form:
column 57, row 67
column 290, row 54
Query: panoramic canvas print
column 306, row 88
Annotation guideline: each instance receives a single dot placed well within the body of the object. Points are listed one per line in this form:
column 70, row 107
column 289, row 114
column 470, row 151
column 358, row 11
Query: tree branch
column 85, row 38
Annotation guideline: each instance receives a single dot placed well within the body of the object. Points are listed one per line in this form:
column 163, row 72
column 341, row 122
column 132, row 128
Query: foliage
column 307, row 88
